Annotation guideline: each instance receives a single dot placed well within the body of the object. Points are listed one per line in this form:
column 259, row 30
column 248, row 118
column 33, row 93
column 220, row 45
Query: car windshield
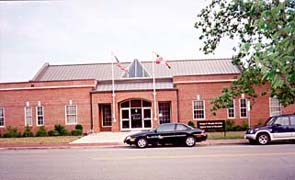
column 189, row 127
column 270, row 121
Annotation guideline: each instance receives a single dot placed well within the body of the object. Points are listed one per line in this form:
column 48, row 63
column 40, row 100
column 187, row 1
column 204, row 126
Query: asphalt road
column 201, row 162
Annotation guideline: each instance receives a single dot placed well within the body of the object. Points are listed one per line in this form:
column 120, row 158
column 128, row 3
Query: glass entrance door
column 147, row 117
column 136, row 118
column 136, row 114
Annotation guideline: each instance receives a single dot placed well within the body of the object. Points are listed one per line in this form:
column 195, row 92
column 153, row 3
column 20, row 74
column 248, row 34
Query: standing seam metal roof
column 102, row 71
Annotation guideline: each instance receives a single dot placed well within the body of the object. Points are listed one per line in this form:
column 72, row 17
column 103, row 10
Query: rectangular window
column 164, row 112
column 243, row 108
column 274, row 107
column 2, row 124
column 40, row 115
column 231, row 111
column 199, row 109
column 28, row 116
column 71, row 114
column 106, row 115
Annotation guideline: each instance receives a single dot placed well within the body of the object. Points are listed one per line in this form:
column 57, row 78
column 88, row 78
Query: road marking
column 144, row 157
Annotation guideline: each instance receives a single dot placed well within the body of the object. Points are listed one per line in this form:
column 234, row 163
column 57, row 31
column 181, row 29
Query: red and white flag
column 119, row 65
column 160, row 60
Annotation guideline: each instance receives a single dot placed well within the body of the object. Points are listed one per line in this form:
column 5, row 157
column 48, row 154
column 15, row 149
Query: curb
column 224, row 142
column 106, row 145
column 58, row 146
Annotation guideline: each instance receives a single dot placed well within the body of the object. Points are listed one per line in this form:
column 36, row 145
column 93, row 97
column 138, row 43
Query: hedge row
column 59, row 130
column 229, row 126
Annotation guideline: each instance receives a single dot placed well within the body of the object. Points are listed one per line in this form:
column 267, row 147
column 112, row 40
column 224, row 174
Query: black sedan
column 170, row 133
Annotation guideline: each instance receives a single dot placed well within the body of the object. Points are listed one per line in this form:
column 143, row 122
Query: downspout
column 91, row 112
column 177, row 99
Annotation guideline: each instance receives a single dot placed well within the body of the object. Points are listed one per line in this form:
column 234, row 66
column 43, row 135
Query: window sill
column 71, row 124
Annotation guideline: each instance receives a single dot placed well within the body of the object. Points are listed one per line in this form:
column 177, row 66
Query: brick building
column 83, row 94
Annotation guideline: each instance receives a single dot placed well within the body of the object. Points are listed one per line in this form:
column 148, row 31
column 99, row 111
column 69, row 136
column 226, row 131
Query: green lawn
column 39, row 140
column 229, row 135
column 68, row 139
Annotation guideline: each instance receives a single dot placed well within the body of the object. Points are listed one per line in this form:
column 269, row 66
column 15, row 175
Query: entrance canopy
column 139, row 84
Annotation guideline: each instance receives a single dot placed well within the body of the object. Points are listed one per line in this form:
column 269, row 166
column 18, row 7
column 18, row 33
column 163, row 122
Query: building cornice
column 48, row 87
column 204, row 81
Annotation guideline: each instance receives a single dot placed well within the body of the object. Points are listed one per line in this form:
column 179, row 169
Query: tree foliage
column 265, row 49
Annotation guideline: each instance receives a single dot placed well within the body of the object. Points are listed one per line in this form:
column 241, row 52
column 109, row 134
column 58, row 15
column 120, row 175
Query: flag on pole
column 160, row 60
column 119, row 65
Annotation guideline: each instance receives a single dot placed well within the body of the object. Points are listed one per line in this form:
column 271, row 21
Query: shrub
column 28, row 132
column 244, row 126
column 41, row 132
column 53, row 133
column 229, row 125
column 61, row 130
column 11, row 132
column 191, row 124
column 76, row 132
column 79, row 126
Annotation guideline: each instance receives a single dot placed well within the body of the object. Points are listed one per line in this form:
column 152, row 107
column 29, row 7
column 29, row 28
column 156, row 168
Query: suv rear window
column 292, row 120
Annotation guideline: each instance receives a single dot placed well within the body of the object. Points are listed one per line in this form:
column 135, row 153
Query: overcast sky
column 70, row 32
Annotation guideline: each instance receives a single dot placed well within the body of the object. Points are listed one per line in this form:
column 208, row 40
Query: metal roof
column 127, row 86
column 103, row 71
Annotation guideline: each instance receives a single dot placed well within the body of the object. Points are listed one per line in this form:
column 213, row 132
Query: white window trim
column 26, row 116
column 244, row 117
column 121, row 117
column 234, row 108
column 269, row 105
column 3, row 117
column 66, row 117
column 203, row 110
column 38, row 116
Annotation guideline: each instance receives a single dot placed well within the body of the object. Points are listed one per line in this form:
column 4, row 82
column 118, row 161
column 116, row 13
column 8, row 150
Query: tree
column 265, row 50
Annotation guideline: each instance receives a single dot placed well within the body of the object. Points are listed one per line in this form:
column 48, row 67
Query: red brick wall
column 209, row 90
column 53, row 102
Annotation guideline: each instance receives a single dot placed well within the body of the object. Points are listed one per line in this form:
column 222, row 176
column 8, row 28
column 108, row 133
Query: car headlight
column 131, row 139
column 253, row 131
column 127, row 138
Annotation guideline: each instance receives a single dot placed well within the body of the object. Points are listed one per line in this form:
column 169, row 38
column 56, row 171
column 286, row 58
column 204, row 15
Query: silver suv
column 276, row 128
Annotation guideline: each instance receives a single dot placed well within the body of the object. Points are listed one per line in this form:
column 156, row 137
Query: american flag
column 119, row 65
column 160, row 60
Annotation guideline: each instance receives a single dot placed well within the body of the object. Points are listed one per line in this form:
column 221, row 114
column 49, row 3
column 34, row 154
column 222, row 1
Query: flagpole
column 113, row 93
column 154, row 89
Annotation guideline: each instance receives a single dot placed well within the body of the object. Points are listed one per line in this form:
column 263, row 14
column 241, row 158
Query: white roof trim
column 204, row 81
column 45, row 87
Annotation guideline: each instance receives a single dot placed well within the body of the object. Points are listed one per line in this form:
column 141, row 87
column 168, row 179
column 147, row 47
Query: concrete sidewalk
column 104, row 137
column 108, row 139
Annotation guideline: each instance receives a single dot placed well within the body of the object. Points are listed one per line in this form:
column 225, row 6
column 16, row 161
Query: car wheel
column 263, row 139
column 190, row 141
column 141, row 143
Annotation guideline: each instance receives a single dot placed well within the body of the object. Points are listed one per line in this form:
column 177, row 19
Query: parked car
column 276, row 128
column 169, row 133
